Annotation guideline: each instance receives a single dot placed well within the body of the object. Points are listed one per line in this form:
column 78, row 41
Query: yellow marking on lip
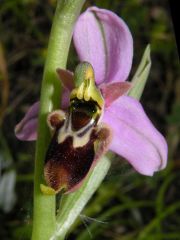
column 89, row 73
column 63, row 133
column 47, row 190
column 87, row 90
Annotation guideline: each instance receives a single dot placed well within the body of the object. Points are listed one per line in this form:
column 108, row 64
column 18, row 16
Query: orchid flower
column 103, row 39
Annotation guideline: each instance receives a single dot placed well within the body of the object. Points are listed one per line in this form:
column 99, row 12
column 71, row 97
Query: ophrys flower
column 104, row 40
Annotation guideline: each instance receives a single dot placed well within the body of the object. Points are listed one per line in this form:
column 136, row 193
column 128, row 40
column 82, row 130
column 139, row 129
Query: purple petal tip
column 26, row 129
column 135, row 137
column 103, row 39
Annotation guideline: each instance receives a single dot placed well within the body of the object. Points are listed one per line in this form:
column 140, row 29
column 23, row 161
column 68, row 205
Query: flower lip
column 72, row 152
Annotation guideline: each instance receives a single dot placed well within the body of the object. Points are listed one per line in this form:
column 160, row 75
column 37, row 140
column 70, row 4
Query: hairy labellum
column 79, row 138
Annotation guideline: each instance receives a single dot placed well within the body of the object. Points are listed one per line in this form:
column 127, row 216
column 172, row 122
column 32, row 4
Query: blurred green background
column 127, row 205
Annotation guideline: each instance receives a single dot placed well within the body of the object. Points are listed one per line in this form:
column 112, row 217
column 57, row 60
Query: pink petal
column 65, row 98
column 113, row 91
column 26, row 129
column 66, row 78
column 104, row 40
column 135, row 138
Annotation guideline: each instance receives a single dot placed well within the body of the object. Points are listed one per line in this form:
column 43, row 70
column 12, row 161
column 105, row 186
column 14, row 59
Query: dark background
column 127, row 205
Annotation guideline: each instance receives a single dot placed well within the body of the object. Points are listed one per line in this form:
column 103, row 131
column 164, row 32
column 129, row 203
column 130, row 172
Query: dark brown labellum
column 65, row 165
column 78, row 142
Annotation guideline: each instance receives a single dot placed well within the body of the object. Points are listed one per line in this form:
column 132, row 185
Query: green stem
column 59, row 42
column 147, row 229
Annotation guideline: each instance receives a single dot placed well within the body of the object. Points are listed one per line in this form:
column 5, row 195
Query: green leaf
column 108, row 214
column 150, row 226
column 141, row 75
